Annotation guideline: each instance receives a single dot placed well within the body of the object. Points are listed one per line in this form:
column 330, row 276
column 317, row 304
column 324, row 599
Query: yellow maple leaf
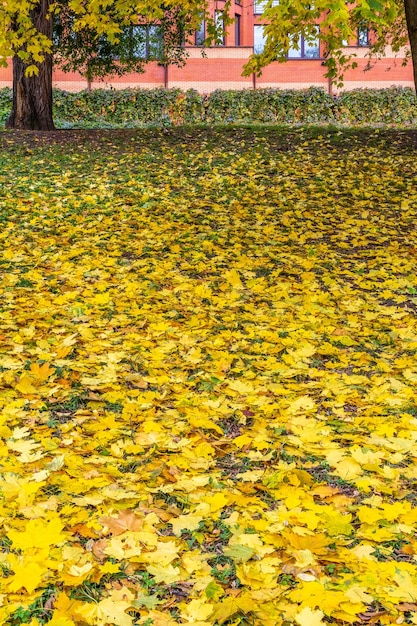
column 41, row 372
column 123, row 547
column 192, row 562
column 26, row 575
column 304, row 558
column 80, row 571
column 203, row 291
column 392, row 511
column 217, row 501
column 23, row 446
column 407, row 585
column 107, row 611
column 199, row 421
column 25, row 384
column 357, row 594
column 101, row 298
column 301, row 404
column 369, row 515
column 185, row 522
column 60, row 620
column 239, row 552
column 241, row 386
column 161, row 619
column 337, row 522
column 65, row 607
column 242, row 440
column 109, row 568
column 364, row 552
column 232, row 605
column 197, row 611
column 348, row 469
column 63, row 351
column 315, row 593
column 345, row 340
column 309, row 617
column 166, row 574
column 233, row 278
column 38, row 533
column 305, row 350
column 259, row 574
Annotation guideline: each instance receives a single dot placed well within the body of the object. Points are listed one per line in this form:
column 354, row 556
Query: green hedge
column 396, row 105
column 5, row 104
column 111, row 108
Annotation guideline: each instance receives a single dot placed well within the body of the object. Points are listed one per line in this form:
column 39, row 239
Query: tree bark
column 32, row 95
column 410, row 7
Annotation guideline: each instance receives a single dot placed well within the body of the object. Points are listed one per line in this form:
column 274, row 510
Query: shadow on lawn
column 280, row 138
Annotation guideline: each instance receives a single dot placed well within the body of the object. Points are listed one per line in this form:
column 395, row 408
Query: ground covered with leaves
column 208, row 407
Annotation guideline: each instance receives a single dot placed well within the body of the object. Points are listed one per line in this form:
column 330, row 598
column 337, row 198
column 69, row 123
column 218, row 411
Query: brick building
column 221, row 66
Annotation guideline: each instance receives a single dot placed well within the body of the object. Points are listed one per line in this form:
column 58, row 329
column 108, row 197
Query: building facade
column 220, row 67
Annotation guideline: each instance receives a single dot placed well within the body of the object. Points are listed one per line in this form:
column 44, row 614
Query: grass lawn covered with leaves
column 208, row 407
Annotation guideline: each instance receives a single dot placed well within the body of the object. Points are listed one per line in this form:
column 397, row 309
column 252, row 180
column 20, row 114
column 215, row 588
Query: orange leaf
column 127, row 520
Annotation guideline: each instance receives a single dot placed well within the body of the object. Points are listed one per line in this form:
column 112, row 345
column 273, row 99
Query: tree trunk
column 411, row 17
column 32, row 95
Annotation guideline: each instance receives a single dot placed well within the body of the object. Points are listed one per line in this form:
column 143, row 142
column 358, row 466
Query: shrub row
column 140, row 107
column 5, row 104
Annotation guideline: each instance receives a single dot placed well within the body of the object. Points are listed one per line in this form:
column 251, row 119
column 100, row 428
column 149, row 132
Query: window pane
column 155, row 42
column 259, row 6
column 312, row 48
column 200, row 34
column 258, row 39
column 138, row 41
column 146, row 41
column 237, row 30
column 306, row 49
column 219, row 23
column 363, row 36
column 293, row 53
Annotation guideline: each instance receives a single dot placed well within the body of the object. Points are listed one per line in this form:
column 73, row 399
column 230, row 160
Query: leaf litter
column 208, row 379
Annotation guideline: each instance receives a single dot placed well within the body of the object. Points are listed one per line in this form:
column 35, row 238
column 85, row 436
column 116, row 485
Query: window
column 259, row 39
column 306, row 48
column 144, row 41
column 259, row 6
column 237, row 30
column 363, row 36
column 219, row 24
column 200, row 34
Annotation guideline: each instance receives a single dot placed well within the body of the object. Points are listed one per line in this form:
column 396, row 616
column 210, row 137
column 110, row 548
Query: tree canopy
column 390, row 23
column 91, row 36
column 98, row 20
